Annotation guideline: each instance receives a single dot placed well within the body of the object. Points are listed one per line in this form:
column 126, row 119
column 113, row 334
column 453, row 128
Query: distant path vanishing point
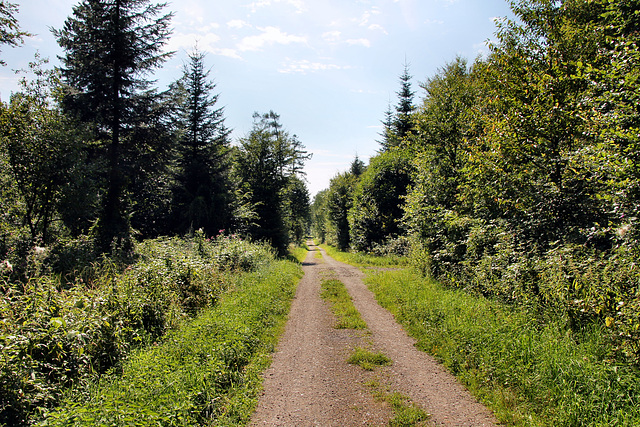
column 310, row 383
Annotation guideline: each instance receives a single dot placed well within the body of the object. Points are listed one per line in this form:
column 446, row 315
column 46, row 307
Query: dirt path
column 310, row 384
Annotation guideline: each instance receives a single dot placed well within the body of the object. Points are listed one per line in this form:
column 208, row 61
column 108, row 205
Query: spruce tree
column 402, row 123
column 110, row 48
column 202, row 196
column 397, row 124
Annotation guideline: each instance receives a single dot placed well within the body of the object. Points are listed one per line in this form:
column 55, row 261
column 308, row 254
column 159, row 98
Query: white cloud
column 377, row 27
column 188, row 41
column 269, row 36
column 332, row 36
column 361, row 42
column 237, row 24
column 298, row 5
column 305, row 66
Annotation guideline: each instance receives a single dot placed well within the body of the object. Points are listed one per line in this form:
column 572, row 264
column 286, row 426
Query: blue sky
column 330, row 68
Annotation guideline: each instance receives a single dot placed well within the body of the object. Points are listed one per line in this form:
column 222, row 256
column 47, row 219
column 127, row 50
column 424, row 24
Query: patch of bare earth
column 310, row 383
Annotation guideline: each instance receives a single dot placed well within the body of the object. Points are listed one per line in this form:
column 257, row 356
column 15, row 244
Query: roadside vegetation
column 513, row 183
column 119, row 328
column 207, row 371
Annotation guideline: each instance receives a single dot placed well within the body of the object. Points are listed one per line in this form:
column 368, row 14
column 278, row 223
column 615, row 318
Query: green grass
column 342, row 306
column 298, row 253
column 406, row 413
column 360, row 259
column 368, row 360
column 530, row 374
column 206, row 372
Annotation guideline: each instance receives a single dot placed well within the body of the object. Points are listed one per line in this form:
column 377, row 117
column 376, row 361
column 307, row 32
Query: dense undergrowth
column 205, row 373
column 63, row 330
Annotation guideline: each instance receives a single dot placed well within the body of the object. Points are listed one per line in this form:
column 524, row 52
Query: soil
column 310, row 383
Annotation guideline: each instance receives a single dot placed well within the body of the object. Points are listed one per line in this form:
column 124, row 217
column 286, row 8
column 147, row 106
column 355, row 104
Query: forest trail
column 310, row 383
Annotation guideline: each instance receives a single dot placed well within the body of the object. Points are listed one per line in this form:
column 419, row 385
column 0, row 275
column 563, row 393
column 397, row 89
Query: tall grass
column 529, row 373
column 206, row 372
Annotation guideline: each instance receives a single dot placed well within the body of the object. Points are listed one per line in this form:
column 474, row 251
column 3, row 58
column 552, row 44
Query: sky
column 329, row 68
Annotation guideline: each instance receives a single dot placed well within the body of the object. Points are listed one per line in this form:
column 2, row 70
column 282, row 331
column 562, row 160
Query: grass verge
column 367, row 359
column 530, row 374
column 360, row 259
column 342, row 306
column 205, row 373
column 406, row 413
column 298, row 253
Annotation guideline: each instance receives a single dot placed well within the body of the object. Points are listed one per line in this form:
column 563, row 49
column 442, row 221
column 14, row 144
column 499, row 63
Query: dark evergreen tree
column 202, row 196
column 268, row 159
column 398, row 123
column 110, row 47
column 402, row 123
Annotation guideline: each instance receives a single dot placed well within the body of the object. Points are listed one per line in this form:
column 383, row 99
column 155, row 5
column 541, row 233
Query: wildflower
column 5, row 266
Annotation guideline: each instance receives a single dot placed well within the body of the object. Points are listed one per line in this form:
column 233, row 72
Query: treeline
column 516, row 176
column 93, row 149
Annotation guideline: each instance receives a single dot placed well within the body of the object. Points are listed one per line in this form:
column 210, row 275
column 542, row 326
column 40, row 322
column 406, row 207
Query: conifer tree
column 110, row 48
column 397, row 124
column 201, row 199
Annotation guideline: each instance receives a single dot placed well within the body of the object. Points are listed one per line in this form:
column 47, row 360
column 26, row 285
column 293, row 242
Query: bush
column 57, row 333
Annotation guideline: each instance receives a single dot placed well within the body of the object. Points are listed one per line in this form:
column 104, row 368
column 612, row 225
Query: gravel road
column 310, row 383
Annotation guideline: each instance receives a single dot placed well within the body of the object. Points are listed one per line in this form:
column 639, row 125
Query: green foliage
column 41, row 148
column 342, row 306
column 339, row 201
column 530, row 373
column 362, row 259
column 202, row 195
column 319, row 215
column 57, row 335
column 367, row 359
column 376, row 210
column 109, row 50
column 199, row 373
column 10, row 32
column 268, row 161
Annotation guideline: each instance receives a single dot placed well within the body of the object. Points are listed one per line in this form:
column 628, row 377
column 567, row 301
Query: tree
column 10, row 32
column 110, row 46
column 398, row 124
column 376, row 213
column 42, row 148
column 319, row 215
column 297, row 209
column 269, row 157
column 202, row 196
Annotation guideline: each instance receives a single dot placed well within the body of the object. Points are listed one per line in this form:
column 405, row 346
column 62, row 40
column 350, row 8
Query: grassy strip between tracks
column 347, row 316
column 205, row 373
column 530, row 373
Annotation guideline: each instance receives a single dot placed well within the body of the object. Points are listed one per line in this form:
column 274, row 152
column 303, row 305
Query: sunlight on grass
column 342, row 306
column 359, row 259
column 406, row 413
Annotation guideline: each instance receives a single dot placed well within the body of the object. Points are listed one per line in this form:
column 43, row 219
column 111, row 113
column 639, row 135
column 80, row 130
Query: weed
column 406, row 413
column 368, row 360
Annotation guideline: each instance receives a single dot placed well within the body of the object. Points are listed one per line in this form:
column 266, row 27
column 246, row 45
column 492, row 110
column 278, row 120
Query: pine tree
column 202, row 198
column 110, row 47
